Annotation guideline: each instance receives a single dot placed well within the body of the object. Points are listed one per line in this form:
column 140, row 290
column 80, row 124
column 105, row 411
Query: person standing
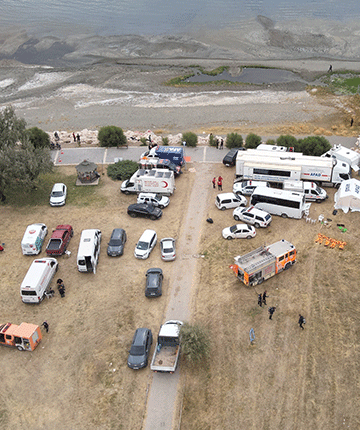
column 222, row 144
column 220, row 183
column 330, row 69
column 74, row 137
column 264, row 297
column 301, row 321
column 217, row 143
column 214, row 182
column 260, row 300
column 351, row 122
column 78, row 137
column 46, row 326
column 271, row 312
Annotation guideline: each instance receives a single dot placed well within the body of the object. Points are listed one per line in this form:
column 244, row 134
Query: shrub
column 314, row 145
column 111, row 135
column 165, row 141
column 195, row 342
column 252, row 141
column 212, row 140
column 39, row 138
column 122, row 170
column 288, row 141
column 270, row 142
column 143, row 141
column 234, row 140
column 190, row 138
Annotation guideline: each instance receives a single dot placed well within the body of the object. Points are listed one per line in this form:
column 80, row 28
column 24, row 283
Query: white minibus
column 280, row 202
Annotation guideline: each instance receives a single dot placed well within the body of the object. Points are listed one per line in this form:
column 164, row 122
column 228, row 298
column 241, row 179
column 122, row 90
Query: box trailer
column 176, row 154
column 264, row 262
column 24, row 337
column 346, row 155
column 277, row 167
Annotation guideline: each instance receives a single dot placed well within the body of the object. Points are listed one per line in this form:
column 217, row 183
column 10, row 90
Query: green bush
column 195, row 342
column 111, row 135
column 212, row 140
column 270, row 142
column 122, row 170
column 234, row 140
column 143, row 141
column 252, row 141
column 288, row 141
column 38, row 137
column 314, row 145
column 190, row 138
column 165, row 141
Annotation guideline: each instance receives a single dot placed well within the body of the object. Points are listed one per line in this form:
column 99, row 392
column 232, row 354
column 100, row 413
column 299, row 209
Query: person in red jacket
column 220, row 179
column 214, row 181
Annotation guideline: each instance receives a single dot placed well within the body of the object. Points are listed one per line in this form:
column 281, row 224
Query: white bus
column 285, row 203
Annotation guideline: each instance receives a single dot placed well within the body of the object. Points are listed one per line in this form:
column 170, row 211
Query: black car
column 117, row 242
column 154, row 279
column 140, row 348
column 230, row 157
column 144, row 210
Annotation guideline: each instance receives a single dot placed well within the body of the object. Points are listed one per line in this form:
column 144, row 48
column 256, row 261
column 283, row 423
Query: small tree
column 195, row 342
column 314, row 145
column 190, row 138
column 165, row 141
column 288, row 141
column 122, row 170
column 111, row 135
column 234, row 140
column 270, row 142
column 212, row 140
column 38, row 137
column 252, row 141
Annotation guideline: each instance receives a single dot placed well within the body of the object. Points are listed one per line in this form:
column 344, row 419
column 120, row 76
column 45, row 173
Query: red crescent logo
column 32, row 231
column 166, row 184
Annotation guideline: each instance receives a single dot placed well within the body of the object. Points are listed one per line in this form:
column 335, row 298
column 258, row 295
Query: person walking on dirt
column 301, row 321
column 46, row 326
column 271, row 312
column 214, row 182
column 260, row 300
column 264, row 297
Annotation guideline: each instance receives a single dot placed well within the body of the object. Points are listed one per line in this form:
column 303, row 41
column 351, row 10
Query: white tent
column 348, row 196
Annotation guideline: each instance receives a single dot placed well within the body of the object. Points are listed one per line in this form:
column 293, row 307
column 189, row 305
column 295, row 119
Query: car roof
column 140, row 206
column 58, row 186
column 140, row 336
column 116, row 233
column 255, row 210
column 148, row 234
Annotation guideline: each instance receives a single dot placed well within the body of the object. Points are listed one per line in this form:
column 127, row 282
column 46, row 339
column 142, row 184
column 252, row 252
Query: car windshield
column 158, row 197
column 267, row 217
column 168, row 248
column 233, row 229
column 137, row 350
column 142, row 245
column 57, row 193
column 115, row 242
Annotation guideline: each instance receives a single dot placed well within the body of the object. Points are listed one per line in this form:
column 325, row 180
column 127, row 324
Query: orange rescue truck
column 24, row 336
column 256, row 266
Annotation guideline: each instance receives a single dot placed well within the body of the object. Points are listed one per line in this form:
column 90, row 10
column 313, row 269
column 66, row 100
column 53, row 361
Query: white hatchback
column 252, row 215
column 229, row 200
column 58, row 195
column 145, row 244
column 239, row 231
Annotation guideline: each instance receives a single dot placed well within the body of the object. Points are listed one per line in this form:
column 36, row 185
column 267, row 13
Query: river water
column 154, row 17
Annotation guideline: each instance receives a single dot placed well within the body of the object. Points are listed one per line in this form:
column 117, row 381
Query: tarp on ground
column 348, row 196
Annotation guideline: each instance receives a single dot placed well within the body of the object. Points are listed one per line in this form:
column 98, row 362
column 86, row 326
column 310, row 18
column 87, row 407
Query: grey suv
column 140, row 348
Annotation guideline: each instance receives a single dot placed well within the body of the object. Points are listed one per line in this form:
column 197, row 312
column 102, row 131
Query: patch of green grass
column 39, row 195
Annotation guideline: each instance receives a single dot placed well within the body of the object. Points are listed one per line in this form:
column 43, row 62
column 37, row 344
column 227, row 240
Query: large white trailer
column 279, row 167
column 347, row 155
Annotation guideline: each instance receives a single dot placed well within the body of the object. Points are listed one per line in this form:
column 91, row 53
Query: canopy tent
column 348, row 196
column 87, row 172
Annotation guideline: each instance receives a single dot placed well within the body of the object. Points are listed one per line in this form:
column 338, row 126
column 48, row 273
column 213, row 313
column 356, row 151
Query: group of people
column 217, row 181
column 76, row 137
column 272, row 309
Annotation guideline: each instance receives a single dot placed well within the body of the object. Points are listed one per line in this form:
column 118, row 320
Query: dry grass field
column 288, row 379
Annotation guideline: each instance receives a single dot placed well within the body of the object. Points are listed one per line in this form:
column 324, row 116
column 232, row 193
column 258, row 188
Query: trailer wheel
column 283, row 215
column 20, row 348
column 260, row 281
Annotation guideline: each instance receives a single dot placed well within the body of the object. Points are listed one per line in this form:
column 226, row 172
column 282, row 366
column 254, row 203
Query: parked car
column 246, row 188
column 144, row 210
column 146, row 244
column 140, row 349
column 117, row 242
column 154, row 279
column 229, row 200
column 252, row 215
column 239, row 231
column 167, row 249
column 154, row 199
column 230, row 157
column 58, row 195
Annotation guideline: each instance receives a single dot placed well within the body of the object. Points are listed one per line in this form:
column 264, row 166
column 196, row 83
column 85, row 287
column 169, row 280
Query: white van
column 246, row 188
column 154, row 199
column 229, row 200
column 37, row 280
column 33, row 239
column 89, row 250
column 280, row 202
column 313, row 193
